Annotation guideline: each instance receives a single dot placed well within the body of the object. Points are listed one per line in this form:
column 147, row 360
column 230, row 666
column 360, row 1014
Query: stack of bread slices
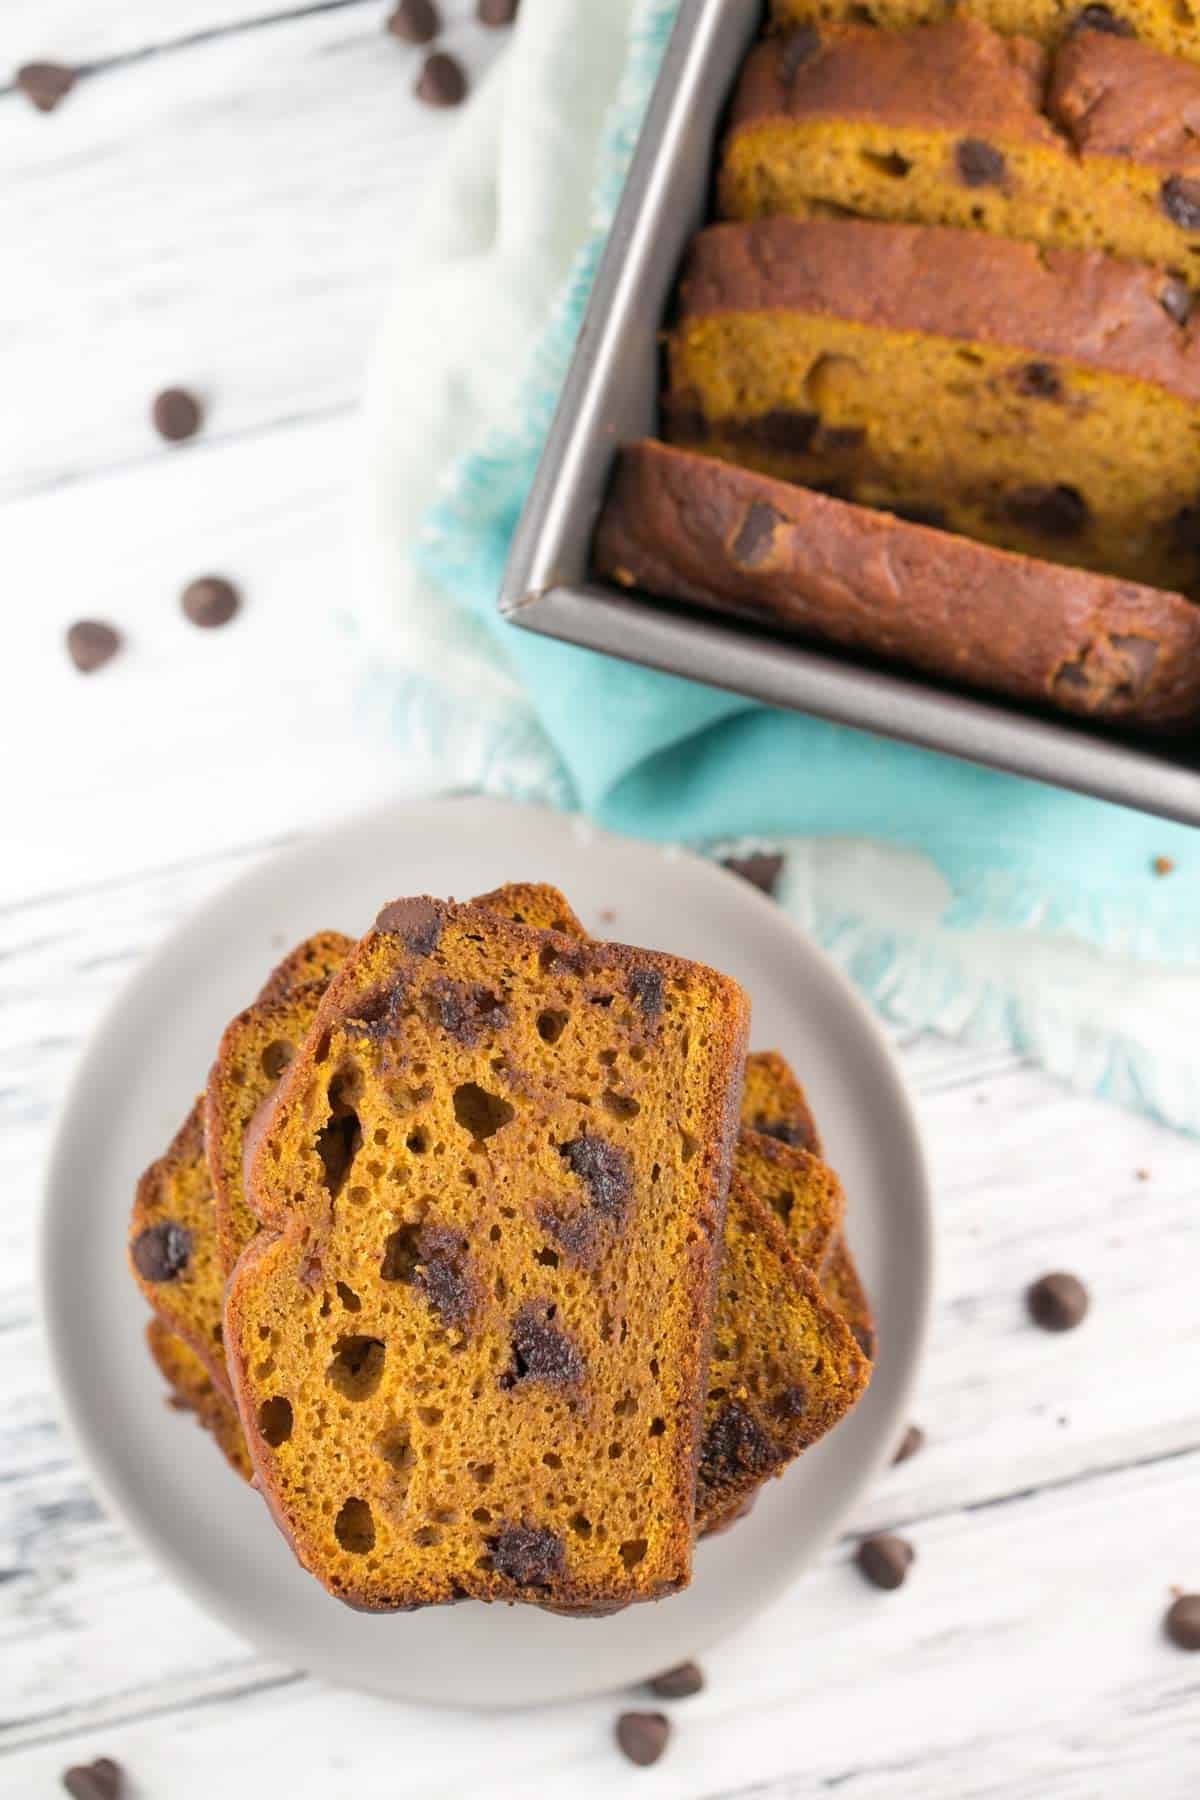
column 494, row 1262
column 933, row 378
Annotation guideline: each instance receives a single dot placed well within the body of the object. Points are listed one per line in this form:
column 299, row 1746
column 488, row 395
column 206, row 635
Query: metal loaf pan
column 610, row 398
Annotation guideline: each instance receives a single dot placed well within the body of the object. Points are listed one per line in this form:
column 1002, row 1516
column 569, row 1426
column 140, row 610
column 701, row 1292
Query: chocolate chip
column 465, row 1010
column 643, row 1736
column 979, row 164
column 434, row 1259
column 1038, row 380
column 734, row 1444
column 442, row 81
column 540, row 1352
column 418, row 924
column 530, row 1555
column 91, row 643
column 1057, row 1302
column 912, row 1441
column 176, row 414
column 1182, row 1622
column 1102, row 18
column 45, row 83
column 756, row 534
column 785, row 1131
column 1057, row 512
column 760, row 870
column 497, row 12
column 885, row 1560
column 415, row 22
column 679, row 1683
column 797, row 48
column 604, row 1170
column 210, row 601
column 161, row 1252
column 1177, row 300
column 1180, row 200
column 103, row 1779
column 790, row 1402
column 646, row 986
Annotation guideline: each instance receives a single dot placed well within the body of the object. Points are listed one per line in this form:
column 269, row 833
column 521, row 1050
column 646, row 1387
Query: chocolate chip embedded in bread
column 415, row 22
column 761, row 871
column 790, row 1402
column 210, row 601
column 497, row 12
column 1182, row 1622
column 1177, row 299
column 979, row 164
column 756, row 534
column 734, row 1444
column 540, row 1351
column 1038, row 380
column 442, row 1271
column 531, row 1555
column 885, row 1560
column 1180, row 200
column 798, row 48
column 604, row 1170
column 91, row 643
column 1102, row 18
column 643, row 1736
column 176, row 415
column 161, row 1252
column 45, row 83
column 442, row 81
column 1057, row 1302
column 103, row 1779
column 646, row 986
column 679, row 1683
column 416, row 922
column 1057, row 512
column 465, row 1011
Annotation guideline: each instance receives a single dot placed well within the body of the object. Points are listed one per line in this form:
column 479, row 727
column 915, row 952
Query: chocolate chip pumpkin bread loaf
column 1097, row 147
column 699, row 530
column 1047, row 402
column 470, row 1351
column 1168, row 25
column 193, row 1390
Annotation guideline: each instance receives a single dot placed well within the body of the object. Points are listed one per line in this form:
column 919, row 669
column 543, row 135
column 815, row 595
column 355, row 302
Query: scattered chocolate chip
column 1162, row 865
column 646, row 986
column 1038, row 380
column 540, row 1352
column 465, row 1010
column 1182, row 1622
column 979, row 164
column 885, row 1560
column 760, row 870
column 90, row 644
column 1057, row 1302
column 734, row 1444
column 756, row 534
column 530, row 1555
column 679, row 1683
column 643, row 1736
column 45, row 83
column 1180, row 200
column 442, row 1271
column 210, row 601
column 415, row 22
column 1058, row 512
column 912, row 1441
column 790, row 1402
column 1102, row 18
column 785, row 1131
column 497, row 12
column 1177, row 300
column 161, row 1252
column 442, row 81
column 176, row 414
column 418, row 923
column 604, row 1170
column 103, row 1779
column 798, row 47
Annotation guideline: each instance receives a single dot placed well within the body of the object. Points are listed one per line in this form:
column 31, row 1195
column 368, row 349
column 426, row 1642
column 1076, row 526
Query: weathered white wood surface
column 222, row 202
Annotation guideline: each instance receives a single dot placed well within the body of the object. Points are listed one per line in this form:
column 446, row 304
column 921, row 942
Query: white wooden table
column 222, row 203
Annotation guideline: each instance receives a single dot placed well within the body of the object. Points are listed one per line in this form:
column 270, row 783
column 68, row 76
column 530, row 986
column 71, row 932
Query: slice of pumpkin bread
column 471, row 1350
column 1094, row 148
column 193, row 1390
column 172, row 1245
column 1169, row 25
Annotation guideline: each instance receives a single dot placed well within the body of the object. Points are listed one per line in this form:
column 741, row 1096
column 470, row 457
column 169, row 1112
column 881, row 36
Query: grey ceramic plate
column 166, row 1481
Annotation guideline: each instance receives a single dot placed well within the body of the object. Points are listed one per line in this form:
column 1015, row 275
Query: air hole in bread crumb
column 348, row 1298
column 620, row 1106
column 394, row 1448
column 275, row 1420
column 657, row 1427
column 430, row 1415
column 548, row 1258
column 418, row 1141
column 688, row 1145
column 427, row 1537
column 607, row 1058
column 275, row 1058
column 632, row 1552
column 582, row 1525
column 480, row 1113
column 551, row 1024
column 357, row 1367
column 354, row 1527
column 552, row 1460
column 482, row 1472
column 625, row 1407
column 337, row 1144
column 637, row 1053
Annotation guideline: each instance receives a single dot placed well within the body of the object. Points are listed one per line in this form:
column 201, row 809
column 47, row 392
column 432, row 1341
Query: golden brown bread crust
column 693, row 528
column 388, row 1010
column 1117, row 97
column 193, row 1390
column 1076, row 306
